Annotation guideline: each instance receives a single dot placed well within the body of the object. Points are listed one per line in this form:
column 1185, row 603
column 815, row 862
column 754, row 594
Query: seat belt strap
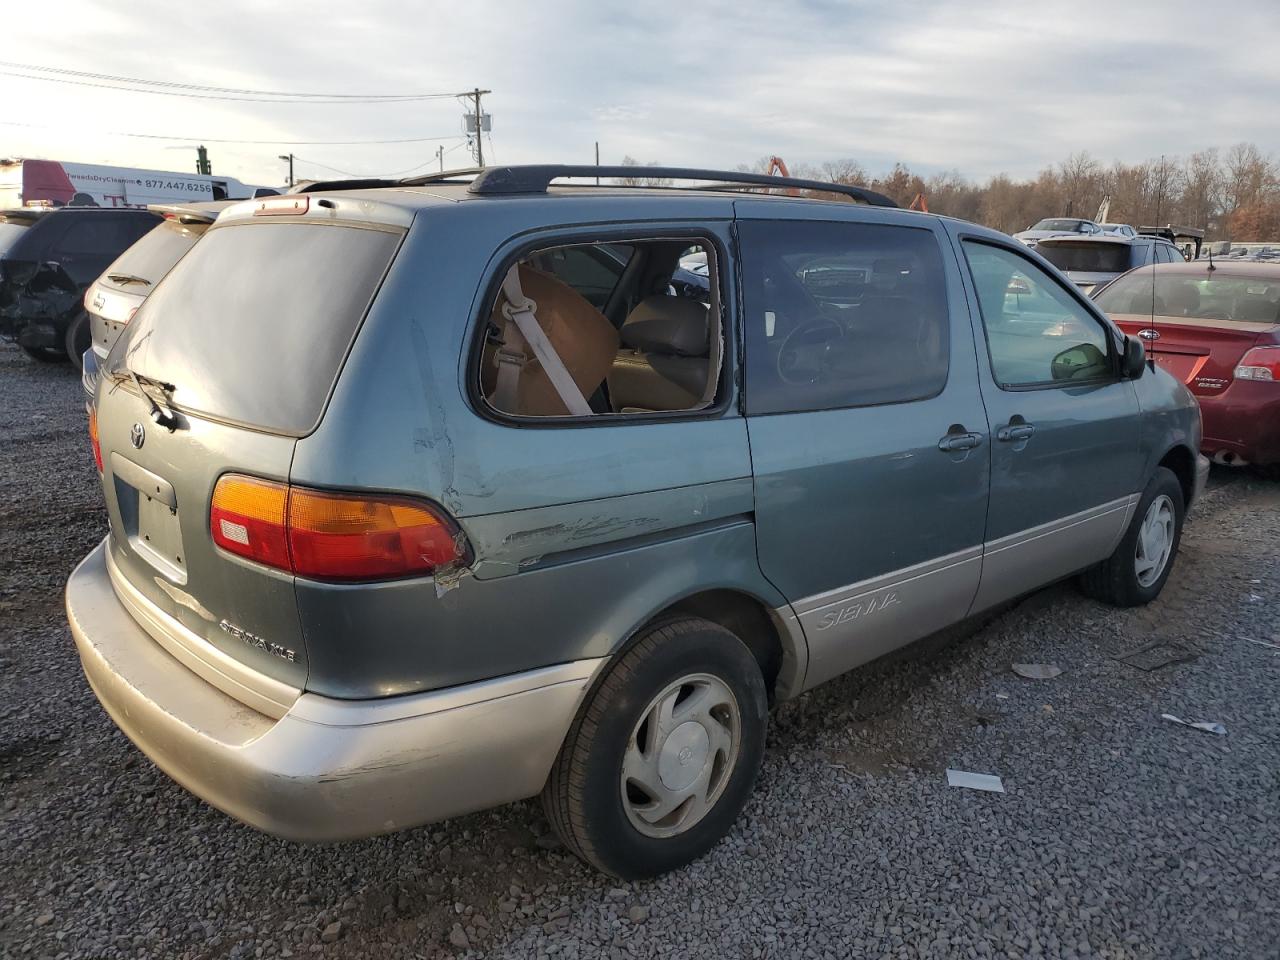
column 522, row 324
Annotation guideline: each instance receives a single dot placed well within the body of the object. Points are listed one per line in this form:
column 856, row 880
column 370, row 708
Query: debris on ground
column 1037, row 671
column 974, row 781
column 1158, row 654
column 1209, row 726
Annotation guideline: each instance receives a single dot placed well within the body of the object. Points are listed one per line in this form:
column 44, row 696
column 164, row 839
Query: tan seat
column 582, row 336
column 664, row 362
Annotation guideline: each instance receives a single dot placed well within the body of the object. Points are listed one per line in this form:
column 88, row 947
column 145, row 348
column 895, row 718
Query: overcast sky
column 977, row 87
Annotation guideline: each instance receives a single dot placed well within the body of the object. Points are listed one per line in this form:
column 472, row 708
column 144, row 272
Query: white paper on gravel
column 974, row 781
column 1208, row 726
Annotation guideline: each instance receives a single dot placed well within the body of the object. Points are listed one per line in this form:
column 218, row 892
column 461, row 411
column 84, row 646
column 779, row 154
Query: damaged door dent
column 514, row 542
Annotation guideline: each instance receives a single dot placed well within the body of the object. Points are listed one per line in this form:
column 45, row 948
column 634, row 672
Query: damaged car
column 46, row 266
column 459, row 494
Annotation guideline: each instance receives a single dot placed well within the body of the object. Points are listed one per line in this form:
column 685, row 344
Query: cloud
column 1002, row 86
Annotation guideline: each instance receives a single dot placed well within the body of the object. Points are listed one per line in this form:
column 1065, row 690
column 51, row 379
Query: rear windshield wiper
column 160, row 412
column 126, row 278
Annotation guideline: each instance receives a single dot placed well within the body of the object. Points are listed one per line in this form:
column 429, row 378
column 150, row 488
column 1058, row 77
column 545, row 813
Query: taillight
column 331, row 536
column 93, row 435
column 247, row 518
column 1259, row 363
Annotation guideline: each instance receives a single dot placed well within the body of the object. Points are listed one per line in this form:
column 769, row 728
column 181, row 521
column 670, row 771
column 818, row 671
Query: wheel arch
column 1180, row 460
column 773, row 635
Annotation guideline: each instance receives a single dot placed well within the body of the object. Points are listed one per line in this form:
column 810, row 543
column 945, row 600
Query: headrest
column 1182, row 299
column 666, row 324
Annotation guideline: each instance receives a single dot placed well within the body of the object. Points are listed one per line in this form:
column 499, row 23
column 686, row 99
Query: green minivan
column 432, row 495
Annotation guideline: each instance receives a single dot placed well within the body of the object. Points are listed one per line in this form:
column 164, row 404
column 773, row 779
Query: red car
column 1216, row 327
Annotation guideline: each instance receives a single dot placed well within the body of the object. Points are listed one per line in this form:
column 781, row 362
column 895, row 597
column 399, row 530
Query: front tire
column 1136, row 572
column 663, row 756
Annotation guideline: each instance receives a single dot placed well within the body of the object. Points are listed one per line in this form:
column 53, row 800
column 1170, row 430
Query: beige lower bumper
column 328, row 769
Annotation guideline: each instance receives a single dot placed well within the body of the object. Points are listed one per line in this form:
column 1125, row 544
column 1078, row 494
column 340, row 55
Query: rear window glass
column 1234, row 299
column 102, row 236
column 1086, row 257
column 9, row 234
column 154, row 255
column 254, row 324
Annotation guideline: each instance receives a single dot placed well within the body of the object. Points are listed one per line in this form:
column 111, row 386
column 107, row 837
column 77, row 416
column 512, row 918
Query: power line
column 381, row 176
column 283, row 143
column 172, row 85
column 217, row 96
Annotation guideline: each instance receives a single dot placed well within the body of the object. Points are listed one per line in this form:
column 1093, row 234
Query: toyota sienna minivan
column 438, row 494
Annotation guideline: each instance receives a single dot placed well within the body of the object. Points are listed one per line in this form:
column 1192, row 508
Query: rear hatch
column 112, row 299
column 242, row 343
column 1088, row 262
column 1196, row 324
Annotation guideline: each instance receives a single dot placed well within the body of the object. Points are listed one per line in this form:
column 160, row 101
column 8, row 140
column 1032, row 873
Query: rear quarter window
column 252, row 327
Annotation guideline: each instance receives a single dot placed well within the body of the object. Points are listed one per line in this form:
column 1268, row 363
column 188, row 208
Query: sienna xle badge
column 439, row 494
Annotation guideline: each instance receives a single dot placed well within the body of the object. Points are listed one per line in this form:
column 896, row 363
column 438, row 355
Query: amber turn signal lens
column 325, row 535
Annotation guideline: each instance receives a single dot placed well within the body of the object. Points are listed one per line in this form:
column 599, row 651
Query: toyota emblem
column 137, row 436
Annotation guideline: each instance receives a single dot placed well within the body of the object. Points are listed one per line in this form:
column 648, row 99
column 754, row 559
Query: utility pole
column 440, row 156
column 597, row 160
column 202, row 161
column 476, row 94
column 289, row 157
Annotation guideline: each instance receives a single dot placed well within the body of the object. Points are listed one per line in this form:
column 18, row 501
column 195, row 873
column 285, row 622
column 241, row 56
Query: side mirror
column 1134, row 362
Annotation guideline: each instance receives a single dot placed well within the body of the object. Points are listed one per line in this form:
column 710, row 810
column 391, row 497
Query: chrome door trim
column 1054, row 526
column 852, row 625
column 1032, row 558
column 892, row 578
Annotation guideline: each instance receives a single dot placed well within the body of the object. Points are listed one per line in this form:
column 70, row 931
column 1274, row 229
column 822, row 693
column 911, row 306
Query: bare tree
column 639, row 181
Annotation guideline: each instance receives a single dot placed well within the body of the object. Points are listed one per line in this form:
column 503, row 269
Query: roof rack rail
column 357, row 183
column 492, row 181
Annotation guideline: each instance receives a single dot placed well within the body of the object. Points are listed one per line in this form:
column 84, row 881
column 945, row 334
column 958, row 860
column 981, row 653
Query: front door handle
column 1015, row 432
column 960, row 441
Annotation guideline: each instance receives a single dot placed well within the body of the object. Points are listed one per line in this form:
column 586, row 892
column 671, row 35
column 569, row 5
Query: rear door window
column 254, row 324
column 841, row 315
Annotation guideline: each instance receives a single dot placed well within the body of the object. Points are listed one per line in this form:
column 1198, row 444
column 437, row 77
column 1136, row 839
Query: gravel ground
column 1120, row 835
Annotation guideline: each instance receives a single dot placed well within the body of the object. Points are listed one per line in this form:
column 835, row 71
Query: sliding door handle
column 960, row 441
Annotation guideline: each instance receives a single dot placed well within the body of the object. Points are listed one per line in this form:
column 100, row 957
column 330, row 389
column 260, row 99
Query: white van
column 55, row 183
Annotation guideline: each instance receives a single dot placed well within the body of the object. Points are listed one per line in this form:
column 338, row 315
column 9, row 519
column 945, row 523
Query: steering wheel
column 803, row 354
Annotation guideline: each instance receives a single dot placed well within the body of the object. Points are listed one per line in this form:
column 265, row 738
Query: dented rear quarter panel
column 579, row 533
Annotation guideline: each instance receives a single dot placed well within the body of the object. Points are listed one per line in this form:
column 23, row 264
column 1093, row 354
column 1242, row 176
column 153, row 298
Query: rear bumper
column 1244, row 420
column 328, row 769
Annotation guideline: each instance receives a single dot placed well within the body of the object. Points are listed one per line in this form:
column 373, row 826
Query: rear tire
column 1136, row 572
column 663, row 755
column 78, row 339
column 44, row 354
